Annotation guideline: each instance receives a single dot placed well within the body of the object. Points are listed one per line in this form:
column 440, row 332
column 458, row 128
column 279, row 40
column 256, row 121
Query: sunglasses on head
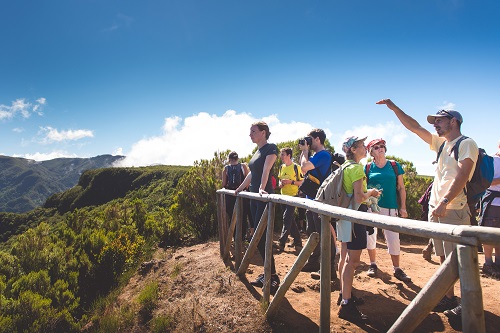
column 378, row 147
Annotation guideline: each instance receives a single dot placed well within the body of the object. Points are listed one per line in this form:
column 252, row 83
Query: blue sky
column 175, row 81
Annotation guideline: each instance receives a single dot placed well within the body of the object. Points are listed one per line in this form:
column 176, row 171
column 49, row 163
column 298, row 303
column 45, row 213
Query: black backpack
column 235, row 176
column 482, row 176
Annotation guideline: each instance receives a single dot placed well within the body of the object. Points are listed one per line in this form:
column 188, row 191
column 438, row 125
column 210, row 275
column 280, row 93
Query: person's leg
column 257, row 210
column 301, row 219
column 287, row 221
column 317, row 251
column 310, row 223
column 294, row 230
column 371, row 246
column 351, row 262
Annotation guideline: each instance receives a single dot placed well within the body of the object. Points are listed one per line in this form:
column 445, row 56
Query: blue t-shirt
column 321, row 161
column 385, row 179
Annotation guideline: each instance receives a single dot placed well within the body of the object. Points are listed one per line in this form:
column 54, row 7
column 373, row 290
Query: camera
column 305, row 140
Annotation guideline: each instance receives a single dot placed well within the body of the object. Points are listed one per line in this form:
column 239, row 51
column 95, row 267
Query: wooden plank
column 470, row 290
column 292, row 274
column 230, row 232
column 325, row 282
column 238, row 242
column 430, row 295
column 269, row 253
column 253, row 243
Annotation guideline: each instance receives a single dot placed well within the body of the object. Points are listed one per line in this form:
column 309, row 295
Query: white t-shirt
column 447, row 169
column 496, row 166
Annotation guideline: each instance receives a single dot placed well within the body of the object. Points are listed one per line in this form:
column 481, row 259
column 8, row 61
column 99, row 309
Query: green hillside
column 26, row 184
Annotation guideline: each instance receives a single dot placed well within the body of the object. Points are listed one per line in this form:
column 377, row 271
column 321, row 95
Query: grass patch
column 176, row 270
column 161, row 324
column 148, row 300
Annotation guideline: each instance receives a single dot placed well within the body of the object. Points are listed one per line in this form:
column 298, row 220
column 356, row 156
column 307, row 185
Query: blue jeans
column 289, row 226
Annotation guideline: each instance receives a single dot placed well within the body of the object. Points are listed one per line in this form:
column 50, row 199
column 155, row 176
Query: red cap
column 374, row 142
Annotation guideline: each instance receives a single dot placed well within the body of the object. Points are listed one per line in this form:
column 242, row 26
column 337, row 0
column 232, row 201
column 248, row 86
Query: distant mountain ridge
column 26, row 184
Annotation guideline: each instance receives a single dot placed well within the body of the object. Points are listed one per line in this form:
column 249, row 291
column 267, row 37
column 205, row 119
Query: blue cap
column 445, row 113
column 349, row 142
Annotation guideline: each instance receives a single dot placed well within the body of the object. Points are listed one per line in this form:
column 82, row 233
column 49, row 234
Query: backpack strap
column 455, row 149
column 296, row 169
column 367, row 170
column 395, row 168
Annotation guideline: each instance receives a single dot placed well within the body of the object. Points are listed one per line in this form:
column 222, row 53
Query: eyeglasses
column 378, row 147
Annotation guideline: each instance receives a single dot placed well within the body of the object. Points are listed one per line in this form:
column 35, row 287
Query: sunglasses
column 378, row 147
column 445, row 113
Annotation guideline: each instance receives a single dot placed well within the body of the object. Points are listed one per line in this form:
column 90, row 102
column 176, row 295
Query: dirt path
column 204, row 295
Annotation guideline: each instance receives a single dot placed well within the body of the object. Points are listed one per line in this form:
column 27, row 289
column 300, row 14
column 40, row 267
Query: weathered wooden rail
column 462, row 264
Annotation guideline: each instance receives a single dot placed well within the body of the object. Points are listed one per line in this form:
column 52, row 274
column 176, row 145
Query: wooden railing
column 461, row 264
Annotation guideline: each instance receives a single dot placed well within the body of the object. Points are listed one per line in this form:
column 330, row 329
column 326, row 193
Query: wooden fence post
column 269, row 253
column 238, row 233
column 325, row 282
column 221, row 216
column 230, row 231
column 470, row 290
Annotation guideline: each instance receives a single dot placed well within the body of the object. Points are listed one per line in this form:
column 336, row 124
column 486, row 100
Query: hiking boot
column 491, row 270
column 372, row 271
column 401, row 276
column 455, row 313
column 354, row 299
column 446, row 304
column 310, row 267
column 317, row 275
column 350, row 312
column 259, row 281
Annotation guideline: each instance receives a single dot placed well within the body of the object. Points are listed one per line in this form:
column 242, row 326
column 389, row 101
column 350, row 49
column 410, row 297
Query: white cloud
column 200, row 136
column 47, row 156
column 54, row 135
column 18, row 130
column 22, row 107
column 447, row 106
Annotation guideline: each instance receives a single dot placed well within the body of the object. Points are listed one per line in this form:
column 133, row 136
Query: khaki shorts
column 454, row 217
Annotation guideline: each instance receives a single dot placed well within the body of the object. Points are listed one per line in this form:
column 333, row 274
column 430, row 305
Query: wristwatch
column 293, row 182
column 446, row 201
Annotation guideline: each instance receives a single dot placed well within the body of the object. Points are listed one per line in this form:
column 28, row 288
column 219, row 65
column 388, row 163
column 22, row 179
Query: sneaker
column 317, row 275
column 259, row 281
column 454, row 313
column 401, row 276
column 310, row 267
column 350, row 312
column 491, row 270
column 281, row 248
column 446, row 304
column 372, row 271
column 354, row 299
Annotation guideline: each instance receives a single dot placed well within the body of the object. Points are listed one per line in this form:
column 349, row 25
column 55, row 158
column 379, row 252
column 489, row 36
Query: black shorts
column 492, row 217
column 358, row 241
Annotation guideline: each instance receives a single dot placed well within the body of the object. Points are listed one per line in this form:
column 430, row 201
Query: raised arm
column 408, row 121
